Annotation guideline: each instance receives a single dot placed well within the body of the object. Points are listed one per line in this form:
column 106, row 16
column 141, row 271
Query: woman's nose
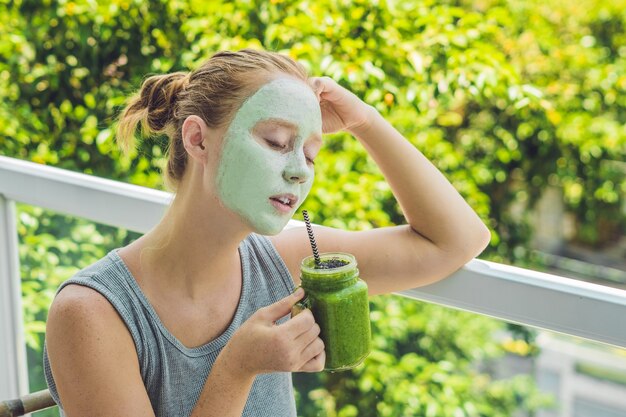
column 296, row 169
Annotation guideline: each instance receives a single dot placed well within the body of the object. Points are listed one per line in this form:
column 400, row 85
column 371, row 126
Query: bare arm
column 443, row 233
column 431, row 205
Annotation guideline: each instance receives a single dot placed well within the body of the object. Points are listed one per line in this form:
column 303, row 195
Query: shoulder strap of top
column 270, row 259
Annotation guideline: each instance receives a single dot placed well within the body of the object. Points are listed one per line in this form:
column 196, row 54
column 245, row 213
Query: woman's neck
column 194, row 249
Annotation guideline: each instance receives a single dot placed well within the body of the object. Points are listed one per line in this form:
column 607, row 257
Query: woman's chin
column 271, row 227
column 271, row 231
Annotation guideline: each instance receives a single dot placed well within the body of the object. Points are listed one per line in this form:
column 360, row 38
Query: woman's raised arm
column 443, row 232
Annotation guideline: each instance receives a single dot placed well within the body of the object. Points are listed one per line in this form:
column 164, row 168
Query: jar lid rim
column 342, row 255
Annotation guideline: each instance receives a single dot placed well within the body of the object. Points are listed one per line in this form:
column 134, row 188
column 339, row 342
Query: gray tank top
column 173, row 374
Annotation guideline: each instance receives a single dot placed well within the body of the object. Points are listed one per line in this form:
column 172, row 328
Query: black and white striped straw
column 311, row 238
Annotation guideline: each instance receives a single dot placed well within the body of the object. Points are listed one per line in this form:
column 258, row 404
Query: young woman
column 192, row 319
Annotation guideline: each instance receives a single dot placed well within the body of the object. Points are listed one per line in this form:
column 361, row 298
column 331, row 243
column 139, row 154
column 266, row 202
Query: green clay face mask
column 262, row 158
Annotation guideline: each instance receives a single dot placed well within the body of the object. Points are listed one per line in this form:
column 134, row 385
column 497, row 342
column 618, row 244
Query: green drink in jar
column 339, row 302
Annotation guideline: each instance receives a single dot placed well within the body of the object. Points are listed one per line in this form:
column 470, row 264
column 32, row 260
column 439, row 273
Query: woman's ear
column 195, row 137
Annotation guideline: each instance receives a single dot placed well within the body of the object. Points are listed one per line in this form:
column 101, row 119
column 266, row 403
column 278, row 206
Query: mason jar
column 339, row 302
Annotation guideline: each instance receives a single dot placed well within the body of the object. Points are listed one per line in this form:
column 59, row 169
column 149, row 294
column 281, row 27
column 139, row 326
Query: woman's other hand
column 341, row 109
column 261, row 346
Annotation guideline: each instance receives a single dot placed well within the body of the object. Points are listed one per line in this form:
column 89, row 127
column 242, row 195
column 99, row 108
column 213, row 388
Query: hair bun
column 159, row 94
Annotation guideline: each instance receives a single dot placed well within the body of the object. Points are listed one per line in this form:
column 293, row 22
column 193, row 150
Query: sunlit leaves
column 502, row 96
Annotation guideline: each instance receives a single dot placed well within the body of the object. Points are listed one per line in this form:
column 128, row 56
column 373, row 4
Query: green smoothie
column 339, row 302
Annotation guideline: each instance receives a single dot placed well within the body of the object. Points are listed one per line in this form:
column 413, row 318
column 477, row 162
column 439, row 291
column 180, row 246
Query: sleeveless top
column 174, row 375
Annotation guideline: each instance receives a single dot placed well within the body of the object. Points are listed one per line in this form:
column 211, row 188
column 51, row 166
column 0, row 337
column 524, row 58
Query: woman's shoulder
column 79, row 300
column 79, row 312
column 86, row 339
column 91, row 306
column 81, row 296
column 101, row 290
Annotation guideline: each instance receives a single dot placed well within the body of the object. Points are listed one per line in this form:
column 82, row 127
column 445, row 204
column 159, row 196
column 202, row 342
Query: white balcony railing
column 505, row 292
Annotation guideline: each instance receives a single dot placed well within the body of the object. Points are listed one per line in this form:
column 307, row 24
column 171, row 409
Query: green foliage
column 573, row 54
column 503, row 96
column 425, row 362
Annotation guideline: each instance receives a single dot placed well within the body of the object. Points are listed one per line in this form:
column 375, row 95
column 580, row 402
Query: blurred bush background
column 508, row 98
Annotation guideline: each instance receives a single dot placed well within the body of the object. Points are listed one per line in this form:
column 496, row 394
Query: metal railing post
column 13, row 366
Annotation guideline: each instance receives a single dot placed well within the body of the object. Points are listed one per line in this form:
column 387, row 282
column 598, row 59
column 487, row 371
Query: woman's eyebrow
column 281, row 122
column 287, row 124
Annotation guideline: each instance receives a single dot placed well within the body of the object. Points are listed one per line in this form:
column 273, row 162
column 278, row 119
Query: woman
column 191, row 319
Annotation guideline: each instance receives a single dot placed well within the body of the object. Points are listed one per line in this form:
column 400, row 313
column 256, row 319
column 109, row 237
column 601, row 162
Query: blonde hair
column 214, row 92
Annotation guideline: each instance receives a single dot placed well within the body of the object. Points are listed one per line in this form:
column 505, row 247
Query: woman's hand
column 341, row 109
column 262, row 346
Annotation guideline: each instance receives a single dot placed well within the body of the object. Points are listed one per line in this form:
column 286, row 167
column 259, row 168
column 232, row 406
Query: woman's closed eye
column 279, row 146
column 275, row 145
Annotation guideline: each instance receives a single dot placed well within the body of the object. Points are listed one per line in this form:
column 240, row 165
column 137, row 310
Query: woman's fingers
column 313, row 349
column 298, row 325
column 322, row 85
column 308, row 336
column 282, row 307
column 316, row 364
column 316, row 85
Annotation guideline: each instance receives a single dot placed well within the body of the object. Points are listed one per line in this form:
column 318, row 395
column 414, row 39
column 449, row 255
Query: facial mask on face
column 251, row 171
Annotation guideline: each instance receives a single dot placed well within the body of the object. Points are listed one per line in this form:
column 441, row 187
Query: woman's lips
column 283, row 208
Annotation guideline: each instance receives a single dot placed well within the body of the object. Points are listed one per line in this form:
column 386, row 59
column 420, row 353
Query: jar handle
column 301, row 305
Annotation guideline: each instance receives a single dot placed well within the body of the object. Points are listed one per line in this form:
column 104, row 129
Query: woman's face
column 267, row 152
